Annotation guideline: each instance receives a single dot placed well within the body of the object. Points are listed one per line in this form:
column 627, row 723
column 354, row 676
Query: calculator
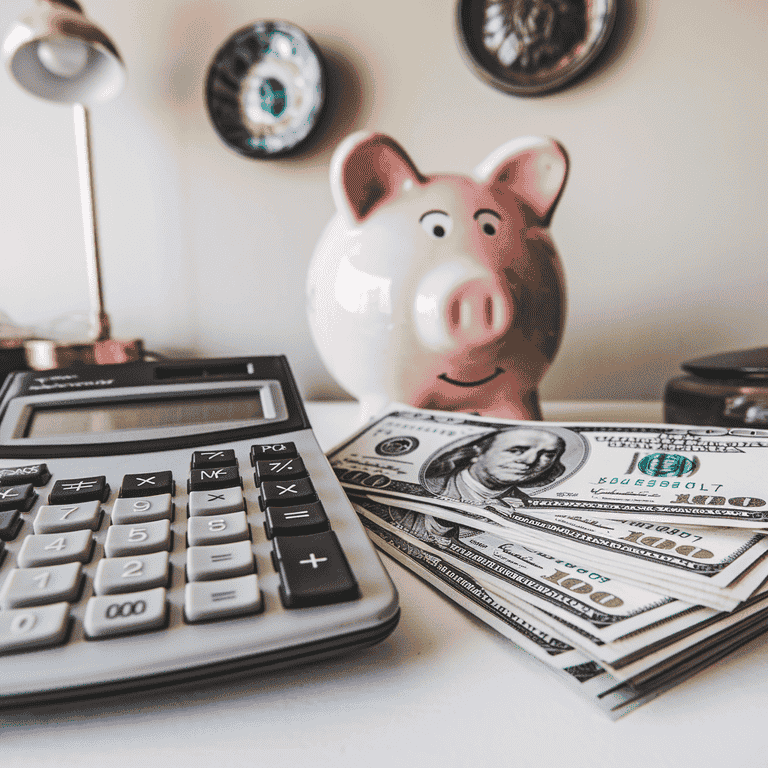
column 172, row 522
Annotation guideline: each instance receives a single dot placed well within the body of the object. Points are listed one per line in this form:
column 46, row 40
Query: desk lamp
column 56, row 53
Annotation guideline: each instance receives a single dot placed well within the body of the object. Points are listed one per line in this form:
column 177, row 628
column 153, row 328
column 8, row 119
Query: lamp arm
column 100, row 330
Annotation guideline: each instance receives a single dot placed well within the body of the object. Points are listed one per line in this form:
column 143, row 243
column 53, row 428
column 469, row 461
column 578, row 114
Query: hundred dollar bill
column 604, row 607
column 583, row 673
column 538, row 638
column 657, row 473
column 511, row 571
column 716, row 567
column 673, row 653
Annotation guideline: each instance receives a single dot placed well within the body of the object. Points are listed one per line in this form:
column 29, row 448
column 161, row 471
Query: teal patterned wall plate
column 266, row 89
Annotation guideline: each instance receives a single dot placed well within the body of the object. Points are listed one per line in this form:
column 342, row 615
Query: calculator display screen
column 148, row 414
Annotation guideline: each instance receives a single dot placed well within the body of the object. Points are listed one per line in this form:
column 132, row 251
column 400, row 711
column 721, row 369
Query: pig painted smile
column 426, row 289
column 478, row 383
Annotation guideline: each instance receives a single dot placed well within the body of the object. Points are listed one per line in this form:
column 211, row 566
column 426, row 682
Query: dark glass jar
column 728, row 389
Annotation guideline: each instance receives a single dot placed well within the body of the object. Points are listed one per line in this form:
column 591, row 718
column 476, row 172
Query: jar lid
column 744, row 364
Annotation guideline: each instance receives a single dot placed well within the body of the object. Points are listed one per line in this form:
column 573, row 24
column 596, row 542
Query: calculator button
column 138, row 539
column 273, row 451
column 217, row 529
column 279, row 469
column 38, row 586
column 115, row 575
column 217, row 502
column 296, row 520
column 142, row 509
column 37, row 474
column 217, row 458
column 110, row 615
column 220, row 561
column 58, row 518
column 207, row 600
column 215, row 477
column 147, row 484
column 26, row 628
column 20, row 497
column 285, row 492
column 10, row 524
column 313, row 570
column 55, row 548
column 79, row 489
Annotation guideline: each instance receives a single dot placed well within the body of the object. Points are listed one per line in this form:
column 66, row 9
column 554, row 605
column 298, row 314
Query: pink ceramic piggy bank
column 441, row 291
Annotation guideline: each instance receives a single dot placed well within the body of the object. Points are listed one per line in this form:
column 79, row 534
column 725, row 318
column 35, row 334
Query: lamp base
column 43, row 355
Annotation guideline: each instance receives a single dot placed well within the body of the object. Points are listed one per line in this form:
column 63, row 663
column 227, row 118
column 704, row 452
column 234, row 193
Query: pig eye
column 488, row 221
column 436, row 223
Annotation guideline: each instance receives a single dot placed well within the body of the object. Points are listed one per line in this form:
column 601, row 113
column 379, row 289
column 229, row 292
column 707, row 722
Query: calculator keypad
column 123, row 570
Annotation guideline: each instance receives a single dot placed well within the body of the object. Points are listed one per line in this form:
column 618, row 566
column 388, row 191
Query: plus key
column 313, row 570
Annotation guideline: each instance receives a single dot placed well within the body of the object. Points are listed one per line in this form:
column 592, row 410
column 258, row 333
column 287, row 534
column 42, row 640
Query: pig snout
column 458, row 305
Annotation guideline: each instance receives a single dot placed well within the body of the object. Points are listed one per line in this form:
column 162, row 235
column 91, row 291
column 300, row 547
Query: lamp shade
column 58, row 54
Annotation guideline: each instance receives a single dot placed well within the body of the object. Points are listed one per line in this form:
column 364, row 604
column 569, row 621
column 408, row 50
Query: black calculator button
column 10, row 524
column 20, row 497
column 273, row 451
column 218, row 458
column 278, row 469
column 313, row 571
column 296, row 520
column 215, row 477
column 79, row 489
column 287, row 492
column 147, row 484
column 37, row 474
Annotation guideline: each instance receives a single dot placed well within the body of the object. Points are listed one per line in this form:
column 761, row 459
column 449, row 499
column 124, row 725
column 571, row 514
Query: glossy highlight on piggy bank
column 441, row 291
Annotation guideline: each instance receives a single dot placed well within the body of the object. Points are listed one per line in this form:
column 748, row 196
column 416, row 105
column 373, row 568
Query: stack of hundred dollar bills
column 627, row 557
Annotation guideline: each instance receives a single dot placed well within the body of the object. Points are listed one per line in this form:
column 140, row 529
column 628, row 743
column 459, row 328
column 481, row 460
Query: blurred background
column 661, row 229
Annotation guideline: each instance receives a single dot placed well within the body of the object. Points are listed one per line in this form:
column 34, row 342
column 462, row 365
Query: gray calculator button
column 207, row 600
column 26, row 628
column 111, row 615
column 115, row 575
column 37, row 586
column 57, row 518
column 216, row 502
column 143, row 509
column 217, row 529
column 55, row 548
column 138, row 539
column 220, row 561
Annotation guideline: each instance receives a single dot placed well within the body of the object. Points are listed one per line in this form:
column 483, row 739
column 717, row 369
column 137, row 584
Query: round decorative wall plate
column 530, row 47
column 266, row 89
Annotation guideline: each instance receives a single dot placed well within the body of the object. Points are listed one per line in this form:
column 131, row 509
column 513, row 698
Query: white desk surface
column 443, row 690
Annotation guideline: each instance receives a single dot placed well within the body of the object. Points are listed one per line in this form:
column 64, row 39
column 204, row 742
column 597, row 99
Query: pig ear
column 533, row 169
column 367, row 170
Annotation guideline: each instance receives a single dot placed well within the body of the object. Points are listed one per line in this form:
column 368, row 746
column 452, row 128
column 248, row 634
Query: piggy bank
column 443, row 291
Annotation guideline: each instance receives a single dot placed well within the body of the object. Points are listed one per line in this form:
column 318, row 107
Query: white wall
column 661, row 228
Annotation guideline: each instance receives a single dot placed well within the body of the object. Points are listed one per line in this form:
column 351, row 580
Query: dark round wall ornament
column 266, row 89
column 531, row 47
